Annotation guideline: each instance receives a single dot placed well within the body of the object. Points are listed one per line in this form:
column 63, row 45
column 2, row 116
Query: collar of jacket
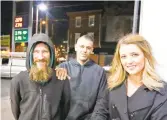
column 163, row 90
column 88, row 63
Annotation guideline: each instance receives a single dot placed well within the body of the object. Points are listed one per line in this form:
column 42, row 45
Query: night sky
column 57, row 10
column 6, row 17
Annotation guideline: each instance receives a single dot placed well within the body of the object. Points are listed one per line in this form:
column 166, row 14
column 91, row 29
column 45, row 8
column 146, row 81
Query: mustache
column 40, row 60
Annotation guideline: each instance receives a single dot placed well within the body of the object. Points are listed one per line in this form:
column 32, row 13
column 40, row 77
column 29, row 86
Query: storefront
column 5, row 44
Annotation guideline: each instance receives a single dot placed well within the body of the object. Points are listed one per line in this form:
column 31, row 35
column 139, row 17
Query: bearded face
column 40, row 71
column 40, row 75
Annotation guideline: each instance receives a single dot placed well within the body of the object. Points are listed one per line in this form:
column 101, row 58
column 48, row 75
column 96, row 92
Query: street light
column 41, row 7
column 43, row 22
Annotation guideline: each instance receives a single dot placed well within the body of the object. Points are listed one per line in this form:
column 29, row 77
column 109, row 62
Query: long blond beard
column 40, row 75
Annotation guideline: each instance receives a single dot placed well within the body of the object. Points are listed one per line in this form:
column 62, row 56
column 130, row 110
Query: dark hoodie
column 87, row 84
column 33, row 101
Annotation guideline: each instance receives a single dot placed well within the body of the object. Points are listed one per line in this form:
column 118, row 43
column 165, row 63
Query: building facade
column 84, row 22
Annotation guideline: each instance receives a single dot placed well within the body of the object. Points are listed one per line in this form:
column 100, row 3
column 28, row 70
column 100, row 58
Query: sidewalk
column 6, row 113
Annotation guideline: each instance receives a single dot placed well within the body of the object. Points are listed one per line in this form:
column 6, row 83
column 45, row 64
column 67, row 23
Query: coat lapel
column 142, row 98
column 118, row 98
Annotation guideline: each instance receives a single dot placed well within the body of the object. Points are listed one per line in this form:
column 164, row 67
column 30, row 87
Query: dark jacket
column 34, row 101
column 146, row 105
column 87, row 84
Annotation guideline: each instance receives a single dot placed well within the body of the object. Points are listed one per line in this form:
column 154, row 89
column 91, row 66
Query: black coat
column 33, row 101
column 146, row 105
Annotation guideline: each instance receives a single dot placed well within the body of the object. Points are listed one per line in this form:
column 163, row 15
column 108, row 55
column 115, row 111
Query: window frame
column 89, row 22
column 76, row 21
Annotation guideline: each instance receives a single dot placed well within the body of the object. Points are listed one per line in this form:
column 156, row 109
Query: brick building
column 84, row 22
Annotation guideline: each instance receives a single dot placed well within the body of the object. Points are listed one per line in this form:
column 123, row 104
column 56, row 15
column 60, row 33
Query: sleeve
column 160, row 113
column 15, row 97
column 101, row 93
column 62, row 65
column 101, row 111
column 65, row 99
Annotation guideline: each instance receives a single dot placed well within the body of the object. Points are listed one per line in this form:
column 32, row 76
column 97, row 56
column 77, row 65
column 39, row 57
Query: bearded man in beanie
column 37, row 94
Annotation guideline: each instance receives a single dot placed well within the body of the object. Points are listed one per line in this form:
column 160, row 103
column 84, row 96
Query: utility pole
column 135, row 16
column 40, row 25
column 14, row 14
column 30, row 24
column 47, row 25
column 36, row 20
column 47, row 22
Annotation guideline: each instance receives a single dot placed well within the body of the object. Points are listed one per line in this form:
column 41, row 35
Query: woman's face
column 132, row 59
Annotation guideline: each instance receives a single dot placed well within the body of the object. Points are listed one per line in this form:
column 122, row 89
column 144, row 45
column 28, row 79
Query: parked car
column 11, row 66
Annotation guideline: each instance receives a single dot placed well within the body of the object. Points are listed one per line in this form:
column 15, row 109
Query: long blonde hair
column 149, row 77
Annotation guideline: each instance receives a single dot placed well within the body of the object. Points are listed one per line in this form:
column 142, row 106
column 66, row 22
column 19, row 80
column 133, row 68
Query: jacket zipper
column 41, row 102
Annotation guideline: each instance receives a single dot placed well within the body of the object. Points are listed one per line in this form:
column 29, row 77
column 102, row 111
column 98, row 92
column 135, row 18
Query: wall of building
column 84, row 26
column 153, row 24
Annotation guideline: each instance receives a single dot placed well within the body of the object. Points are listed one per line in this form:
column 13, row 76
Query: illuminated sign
column 5, row 40
column 18, row 22
column 21, row 21
column 21, row 35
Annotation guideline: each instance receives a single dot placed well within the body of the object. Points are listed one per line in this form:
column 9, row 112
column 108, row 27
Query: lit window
column 77, row 21
column 77, row 35
column 91, row 21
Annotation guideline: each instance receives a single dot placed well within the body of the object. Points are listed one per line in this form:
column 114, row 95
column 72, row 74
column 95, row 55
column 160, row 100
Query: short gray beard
column 40, row 75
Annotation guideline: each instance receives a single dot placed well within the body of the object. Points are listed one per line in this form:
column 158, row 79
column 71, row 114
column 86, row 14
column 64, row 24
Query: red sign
column 18, row 22
column 21, row 21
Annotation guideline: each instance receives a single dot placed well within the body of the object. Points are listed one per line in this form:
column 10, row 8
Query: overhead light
column 42, row 7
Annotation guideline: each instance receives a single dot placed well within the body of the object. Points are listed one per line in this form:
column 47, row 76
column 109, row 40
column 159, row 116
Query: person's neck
column 135, row 79
column 82, row 62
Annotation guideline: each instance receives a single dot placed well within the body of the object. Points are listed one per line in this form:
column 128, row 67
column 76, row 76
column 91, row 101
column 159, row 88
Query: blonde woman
column 135, row 91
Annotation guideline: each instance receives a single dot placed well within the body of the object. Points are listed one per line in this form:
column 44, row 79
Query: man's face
column 83, row 50
column 41, row 56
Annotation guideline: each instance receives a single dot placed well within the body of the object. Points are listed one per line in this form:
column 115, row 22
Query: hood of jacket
column 39, row 38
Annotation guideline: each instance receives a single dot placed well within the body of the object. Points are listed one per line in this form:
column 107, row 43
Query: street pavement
column 6, row 113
